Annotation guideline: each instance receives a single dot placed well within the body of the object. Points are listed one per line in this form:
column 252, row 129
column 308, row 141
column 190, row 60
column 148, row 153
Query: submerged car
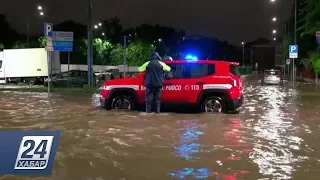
column 272, row 76
column 211, row 86
column 72, row 78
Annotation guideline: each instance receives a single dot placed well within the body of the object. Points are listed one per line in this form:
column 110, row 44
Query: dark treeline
column 308, row 22
column 141, row 40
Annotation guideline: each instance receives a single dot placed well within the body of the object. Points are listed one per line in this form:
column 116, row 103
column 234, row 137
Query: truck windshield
column 234, row 70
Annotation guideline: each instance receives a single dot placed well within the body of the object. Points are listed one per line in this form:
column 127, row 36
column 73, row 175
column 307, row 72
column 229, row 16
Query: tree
column 42, row 41
column 7, row 34
column 311, row 24
column 79, row 30
column 102, row 51
column 19, row 45
column 1, row 47
column 312, row 17
column 112, row 29
column 315, row 58
column 139, row 52
column 116, row 55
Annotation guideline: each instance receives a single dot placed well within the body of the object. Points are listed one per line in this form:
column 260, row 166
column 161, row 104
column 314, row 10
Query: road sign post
column 293, row 54
column 48, row 28
column 56, row 41
column 288, row 64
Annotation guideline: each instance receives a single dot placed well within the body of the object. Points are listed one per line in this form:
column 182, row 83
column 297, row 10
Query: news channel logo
column 28, row 152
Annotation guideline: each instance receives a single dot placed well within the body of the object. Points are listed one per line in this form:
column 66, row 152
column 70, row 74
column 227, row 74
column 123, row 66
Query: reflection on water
column 195, row 173
column 189, row 145
column 189, row 140
column 275, row 136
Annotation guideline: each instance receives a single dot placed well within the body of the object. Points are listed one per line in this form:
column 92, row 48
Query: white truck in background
column 27, row 65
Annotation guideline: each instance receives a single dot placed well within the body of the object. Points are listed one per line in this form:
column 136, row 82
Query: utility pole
column 124, row 55
column 295, row 41
column 242, row 54
column 28, row 29
column 90, row 48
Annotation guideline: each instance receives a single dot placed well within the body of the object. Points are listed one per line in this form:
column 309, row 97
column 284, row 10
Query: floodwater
column 276, row 136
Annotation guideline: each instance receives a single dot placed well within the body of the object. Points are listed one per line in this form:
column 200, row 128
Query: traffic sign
column 62, row 41
column 293, row 51
column 318, row 39
column 288, row 61
column 58, row 40
column 48, row 28
column 318, row 33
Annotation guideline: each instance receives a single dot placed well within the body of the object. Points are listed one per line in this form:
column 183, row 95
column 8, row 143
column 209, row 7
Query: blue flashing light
column 191, row 57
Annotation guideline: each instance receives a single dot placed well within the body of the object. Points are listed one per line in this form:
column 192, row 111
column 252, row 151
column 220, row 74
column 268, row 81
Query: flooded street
column 276, row 136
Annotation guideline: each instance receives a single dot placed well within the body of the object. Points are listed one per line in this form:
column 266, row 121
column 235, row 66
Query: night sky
column 230, row 20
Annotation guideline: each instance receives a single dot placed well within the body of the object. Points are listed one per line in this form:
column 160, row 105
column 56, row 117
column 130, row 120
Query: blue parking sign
column 293, row 51
column 48, row 29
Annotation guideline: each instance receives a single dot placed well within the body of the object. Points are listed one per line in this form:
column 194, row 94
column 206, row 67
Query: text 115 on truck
column 27, row 65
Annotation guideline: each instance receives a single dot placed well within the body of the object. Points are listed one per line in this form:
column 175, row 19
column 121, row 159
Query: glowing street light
column 274, row 31
column 273, row 0
column 159, row 39
column 274, row 19
column 96, row 26
column 102, row 34
column 40, row 11
column 100, row 24
column 274, row 39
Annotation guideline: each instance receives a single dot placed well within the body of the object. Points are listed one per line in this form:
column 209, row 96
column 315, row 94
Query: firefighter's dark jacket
column 154, row 73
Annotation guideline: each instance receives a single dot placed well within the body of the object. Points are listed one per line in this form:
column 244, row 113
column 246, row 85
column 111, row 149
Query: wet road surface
column 276, row 136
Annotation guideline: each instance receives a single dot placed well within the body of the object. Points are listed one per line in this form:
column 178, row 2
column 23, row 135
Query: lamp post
column 40, row 10
column 100, row 25
column 90, row 45
column 295, row 40
column 242, row 54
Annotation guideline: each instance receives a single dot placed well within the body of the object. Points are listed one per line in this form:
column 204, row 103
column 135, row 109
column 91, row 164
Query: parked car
column 272, row 76
column 73, row 78
column 212, row 86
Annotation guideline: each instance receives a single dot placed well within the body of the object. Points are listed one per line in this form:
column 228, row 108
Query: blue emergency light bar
column 191, row 57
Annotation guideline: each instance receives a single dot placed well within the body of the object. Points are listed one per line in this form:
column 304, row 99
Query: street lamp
column 274, row 31
column 159, row 39
column 242, row 54
column 96, row 26
column 273, row 0
column 102, row 34
column 40, row 10
column 274, row 39
column 100, row 24
column 274, row 19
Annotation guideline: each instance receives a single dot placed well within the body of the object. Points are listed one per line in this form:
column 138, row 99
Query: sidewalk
column 310, row 80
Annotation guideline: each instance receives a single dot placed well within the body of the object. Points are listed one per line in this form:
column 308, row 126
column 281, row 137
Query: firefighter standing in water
column 153, row 80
